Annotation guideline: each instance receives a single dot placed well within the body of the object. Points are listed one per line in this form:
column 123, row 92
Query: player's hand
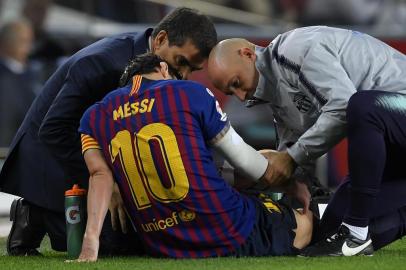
column 90, row 249
column 280, row 169
column 117, row 212
column 300, row 191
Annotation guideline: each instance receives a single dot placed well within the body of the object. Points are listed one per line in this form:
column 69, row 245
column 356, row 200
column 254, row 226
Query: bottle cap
column 75, row 191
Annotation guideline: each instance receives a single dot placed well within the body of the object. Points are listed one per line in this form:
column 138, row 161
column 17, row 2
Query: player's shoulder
column 186, row 83
column 198, row 90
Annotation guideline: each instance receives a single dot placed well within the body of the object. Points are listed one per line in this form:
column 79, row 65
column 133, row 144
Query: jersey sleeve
column 88, row 142
column 214, row 121
column 85, row 129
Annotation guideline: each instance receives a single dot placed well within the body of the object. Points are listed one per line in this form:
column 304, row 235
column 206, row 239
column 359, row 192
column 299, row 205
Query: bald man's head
column 227, row 48
column 231, row 67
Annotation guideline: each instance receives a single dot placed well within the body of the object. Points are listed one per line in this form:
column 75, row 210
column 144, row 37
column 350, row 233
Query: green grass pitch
column 391, row 257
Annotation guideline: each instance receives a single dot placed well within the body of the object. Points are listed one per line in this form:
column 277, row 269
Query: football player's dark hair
column 184, row 24
column 144, row 64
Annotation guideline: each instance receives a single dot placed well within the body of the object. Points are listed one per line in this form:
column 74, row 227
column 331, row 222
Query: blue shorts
column 273, row 233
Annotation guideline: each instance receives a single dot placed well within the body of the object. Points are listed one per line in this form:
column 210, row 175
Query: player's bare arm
column 98, row 200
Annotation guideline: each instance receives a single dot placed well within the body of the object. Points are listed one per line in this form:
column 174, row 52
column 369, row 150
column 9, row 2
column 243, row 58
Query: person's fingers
column 305, row 196
column 306, row 204
column 280, row 179
column 268, row 154
column 270, row 177
column 113, row 217
column 123, row 219
column 276, row 176
column 87, row 256
column 85, row 260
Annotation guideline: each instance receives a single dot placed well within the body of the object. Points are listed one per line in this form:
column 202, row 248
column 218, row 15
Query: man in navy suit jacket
column 45, row 156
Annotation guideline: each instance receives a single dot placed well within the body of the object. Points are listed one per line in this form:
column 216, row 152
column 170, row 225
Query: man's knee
column 361, row 105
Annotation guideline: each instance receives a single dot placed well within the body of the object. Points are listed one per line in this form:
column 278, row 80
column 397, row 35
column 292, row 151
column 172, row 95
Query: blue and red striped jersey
column 156, row 137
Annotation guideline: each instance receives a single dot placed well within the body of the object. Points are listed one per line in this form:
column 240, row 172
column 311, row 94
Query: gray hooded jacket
column 307, row 76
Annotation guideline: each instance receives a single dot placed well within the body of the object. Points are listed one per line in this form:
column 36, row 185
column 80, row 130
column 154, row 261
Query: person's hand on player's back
column 117, row 211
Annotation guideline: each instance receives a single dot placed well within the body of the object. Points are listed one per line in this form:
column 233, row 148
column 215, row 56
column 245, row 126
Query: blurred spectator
column 46, row 50
column 344, row 12
column 262, row 7
column 332, row 12
column 123, row 11
column 394, row 14
column 17, row 82
column 130, row 11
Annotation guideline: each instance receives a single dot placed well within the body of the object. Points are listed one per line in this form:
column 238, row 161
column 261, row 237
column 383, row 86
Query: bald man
column 307, row 76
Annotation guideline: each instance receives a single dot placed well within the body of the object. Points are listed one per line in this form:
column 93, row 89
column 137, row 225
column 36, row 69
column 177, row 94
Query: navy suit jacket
column 45, row 156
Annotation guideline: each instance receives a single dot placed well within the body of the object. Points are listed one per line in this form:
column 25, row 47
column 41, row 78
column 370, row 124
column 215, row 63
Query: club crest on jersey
column 186, row 215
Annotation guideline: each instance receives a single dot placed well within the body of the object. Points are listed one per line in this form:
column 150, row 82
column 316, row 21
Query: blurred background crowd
column 37, row 35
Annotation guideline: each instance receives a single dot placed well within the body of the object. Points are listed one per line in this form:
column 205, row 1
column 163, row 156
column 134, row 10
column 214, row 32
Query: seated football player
column 153, row 137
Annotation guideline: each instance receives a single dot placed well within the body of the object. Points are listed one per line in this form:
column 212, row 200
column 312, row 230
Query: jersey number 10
column 138, row 164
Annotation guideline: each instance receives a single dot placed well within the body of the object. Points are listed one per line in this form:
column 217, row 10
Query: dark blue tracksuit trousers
column 375, row 193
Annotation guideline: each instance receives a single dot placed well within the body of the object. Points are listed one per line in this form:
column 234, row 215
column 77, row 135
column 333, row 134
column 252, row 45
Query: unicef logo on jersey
column 73, row 214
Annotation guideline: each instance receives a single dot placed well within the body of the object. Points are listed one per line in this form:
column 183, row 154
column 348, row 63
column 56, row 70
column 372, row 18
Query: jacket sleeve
column 88, row 79
column 287, row 138
column 325, row 80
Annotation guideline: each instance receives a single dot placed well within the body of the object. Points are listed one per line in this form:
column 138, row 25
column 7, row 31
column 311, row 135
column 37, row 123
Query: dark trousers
column 111, row 242
column 376, row 149
column 375, row 193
